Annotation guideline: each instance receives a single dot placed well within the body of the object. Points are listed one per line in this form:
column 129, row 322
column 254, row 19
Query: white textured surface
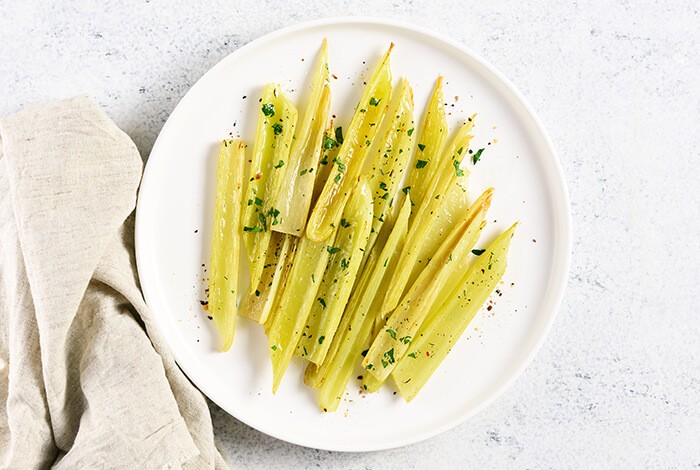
column 617, row 384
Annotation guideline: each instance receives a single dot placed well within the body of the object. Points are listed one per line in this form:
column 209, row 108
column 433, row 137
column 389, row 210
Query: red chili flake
column 489, row 308
column 427, row 353
column 258, row 175
column 334, row 76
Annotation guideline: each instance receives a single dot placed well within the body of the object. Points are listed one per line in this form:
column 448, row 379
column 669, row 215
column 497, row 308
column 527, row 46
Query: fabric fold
column 77, row 367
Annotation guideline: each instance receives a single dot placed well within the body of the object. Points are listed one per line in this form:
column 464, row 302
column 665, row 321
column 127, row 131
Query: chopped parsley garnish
column 339, row 135
column 391, row 332
column 406, row 189
column 363, row 110
column 384, row 196
column 410, row 132
column 250, row 202
column 369, row 366
column 412, row 355
column 322, row 301
column 268, row 109
column 458, row 170
column 341, row 165
column 421, row 147
column 324, row 160
column 478, row 252
column 258, row 201
column 303, row 172
column 337, row 178
column 329, row 143
column 273, row 347
column 390, row 356
column 477, row 156
column 368, row 142
column 252, row 229
column 344, row 223
column 421, row 164
column 332, row 249
column 459, row 152
column 280, row 164
column 406, row 339
column 344, row 263
column 277, row 127
column 374, row 101
column 320, row 339
column 263, row 220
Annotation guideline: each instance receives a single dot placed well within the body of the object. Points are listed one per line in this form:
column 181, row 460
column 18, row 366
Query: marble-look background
column 617, row 384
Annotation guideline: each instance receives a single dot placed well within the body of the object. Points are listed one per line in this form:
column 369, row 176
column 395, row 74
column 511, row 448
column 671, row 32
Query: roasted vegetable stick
column 268, row 166
column 295, row 194
column 350, row 341
column 431, row 140
column 423, row 221
column 450, row 260
column 346, row 254
column 348, row 163
column 446, row 323
column 258, row 304
column 290, row 314
column 391, row 157
column 225, row 252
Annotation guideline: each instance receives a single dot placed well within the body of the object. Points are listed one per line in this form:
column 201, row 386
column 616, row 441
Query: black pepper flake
column 210, row 317
column 204, row 302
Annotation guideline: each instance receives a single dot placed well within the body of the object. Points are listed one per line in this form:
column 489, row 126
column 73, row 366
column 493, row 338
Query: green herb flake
column 410, row 131
column 477, row 156
column 277, row 127
column 459, row 152
column 322, row 301
column 313, row 278
column 258, row 201
column 421, row 164
column 421, row 147
column 344, row 223
column 344, row 264
column 303, row 172
column 250, row 202
column 412, row 355
column 341, row 165
column 339, row 135
column 374, row 101
column 320, row 339
column 332, row 249
column 458, row 170
column 369, row 366
column 329, row 143
column 391, row 332
column 337, row 178
column 478, row 252
column 252, row 229
column 390, row 355
column 406, row 189
column 384, row 196
column 280, row 164
column 368, row 142
column 383, row 186
column 406, row 339
column 268, row 109
column 273, row 347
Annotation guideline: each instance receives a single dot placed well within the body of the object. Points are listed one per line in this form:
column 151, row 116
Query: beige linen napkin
column 86, row 381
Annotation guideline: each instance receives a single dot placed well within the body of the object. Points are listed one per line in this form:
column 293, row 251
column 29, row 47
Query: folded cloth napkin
column 86, row 380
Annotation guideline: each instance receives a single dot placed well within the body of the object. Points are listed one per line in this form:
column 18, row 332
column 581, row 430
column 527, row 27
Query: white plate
column 174, row 220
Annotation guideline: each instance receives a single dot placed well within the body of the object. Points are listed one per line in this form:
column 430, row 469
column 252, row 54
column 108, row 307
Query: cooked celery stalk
column 447, row 321
column 276, row 123
column 391, row 236
column 326, row 162
column 345, row 257
column 424, row 219
column 432, row 137
column 225, row 252
column 290, row 314
column 258, row 304
column 390, row 159
column 348, row 163
column 350, row 340
column 295, row 193
column 451, row 259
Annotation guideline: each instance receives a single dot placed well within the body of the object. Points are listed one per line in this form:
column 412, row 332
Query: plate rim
column 558, row 283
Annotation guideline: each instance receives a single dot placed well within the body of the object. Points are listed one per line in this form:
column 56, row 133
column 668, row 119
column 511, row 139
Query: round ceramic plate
column 176, row 206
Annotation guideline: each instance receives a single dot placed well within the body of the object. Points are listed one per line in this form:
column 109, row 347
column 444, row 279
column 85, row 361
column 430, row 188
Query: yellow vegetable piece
column 390, row 159
column 346, row 254
column 424, row 220
column 348, row 163
column 295, row 194
column 225, row 252
column 431, row 140
column 451, row 259
column 276, row 122
column 447, row 321
column 258, row 304
column 334, row 374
